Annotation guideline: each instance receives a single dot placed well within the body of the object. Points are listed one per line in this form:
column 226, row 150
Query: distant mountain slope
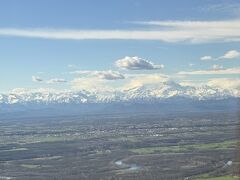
column 167, row 96
column 147, row 93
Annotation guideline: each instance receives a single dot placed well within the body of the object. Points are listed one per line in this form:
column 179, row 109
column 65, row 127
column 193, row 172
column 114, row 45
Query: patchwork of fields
column 137, row 146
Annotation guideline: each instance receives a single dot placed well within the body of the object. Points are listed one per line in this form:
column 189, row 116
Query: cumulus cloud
column 230, row 55
column 212, row 71
column 107, row 75
column 206, row 58
column 56, row 80
column 168, row 31
column 137, row 63
column 36, row 79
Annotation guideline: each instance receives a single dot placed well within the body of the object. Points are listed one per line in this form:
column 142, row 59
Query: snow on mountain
column 151, row 92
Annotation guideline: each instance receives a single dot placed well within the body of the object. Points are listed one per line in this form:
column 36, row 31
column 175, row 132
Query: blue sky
column 44, row 42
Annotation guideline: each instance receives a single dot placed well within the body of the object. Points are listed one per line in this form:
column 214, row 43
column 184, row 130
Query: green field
column 185, row 148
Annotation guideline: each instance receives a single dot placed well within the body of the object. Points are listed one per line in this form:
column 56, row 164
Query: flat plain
column 121, row 146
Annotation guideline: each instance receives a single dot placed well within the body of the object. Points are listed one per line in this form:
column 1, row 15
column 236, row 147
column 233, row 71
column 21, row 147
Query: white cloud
column 36, row 79
column 217, row 67
column 206, row 58
column 168, row 31
column 194, row 24
column 195, row 31
column 107, row 75
column 137, row 63
column 230, row 55
column 212, row 71
column 56, row 80
column 83, row 72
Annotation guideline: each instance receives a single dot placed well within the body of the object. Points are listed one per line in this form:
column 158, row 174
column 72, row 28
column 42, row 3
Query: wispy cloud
column 196, row 25
column 168, row 31
column 206, row 58
column 50, row 81
column 107, row 75
column 212, row 71
column 56, row 80
column 137, row 63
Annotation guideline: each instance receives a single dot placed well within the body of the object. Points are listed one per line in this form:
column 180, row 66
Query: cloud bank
column 212, row 71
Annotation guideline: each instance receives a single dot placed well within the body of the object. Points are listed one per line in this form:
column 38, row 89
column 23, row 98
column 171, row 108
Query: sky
column 86, row 44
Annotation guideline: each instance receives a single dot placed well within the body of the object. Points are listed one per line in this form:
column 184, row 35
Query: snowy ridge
column 148, row 93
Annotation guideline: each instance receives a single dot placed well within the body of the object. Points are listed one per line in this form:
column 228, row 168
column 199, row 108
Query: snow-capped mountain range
column 145, row 93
